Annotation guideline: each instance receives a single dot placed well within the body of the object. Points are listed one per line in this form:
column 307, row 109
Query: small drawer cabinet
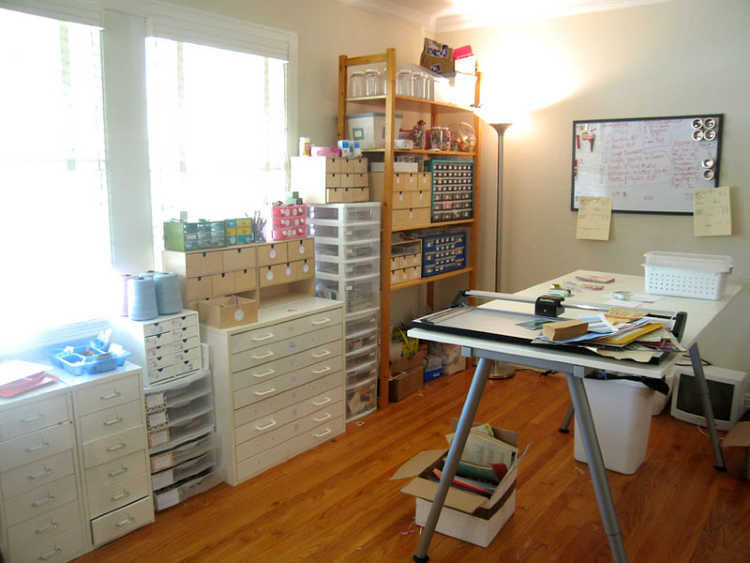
column 72, row 457
column 167, row 347
column 279, row 384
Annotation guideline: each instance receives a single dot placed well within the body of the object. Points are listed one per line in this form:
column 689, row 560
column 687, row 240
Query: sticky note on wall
column 712, row 212
column 594, row 217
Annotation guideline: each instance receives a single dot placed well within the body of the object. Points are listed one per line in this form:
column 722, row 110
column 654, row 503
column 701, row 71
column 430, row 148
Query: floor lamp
column 500, row 370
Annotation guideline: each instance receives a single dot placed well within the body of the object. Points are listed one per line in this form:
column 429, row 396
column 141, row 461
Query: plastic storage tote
column 686, row 275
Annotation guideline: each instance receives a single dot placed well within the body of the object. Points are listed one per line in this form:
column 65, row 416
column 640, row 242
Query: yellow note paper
column 594, row 216
column 712, row 212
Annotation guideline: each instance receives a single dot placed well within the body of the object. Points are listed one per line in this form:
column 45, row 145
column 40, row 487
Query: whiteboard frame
column 720, row 127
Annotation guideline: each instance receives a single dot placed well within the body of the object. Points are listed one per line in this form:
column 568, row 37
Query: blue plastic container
column 86, row 360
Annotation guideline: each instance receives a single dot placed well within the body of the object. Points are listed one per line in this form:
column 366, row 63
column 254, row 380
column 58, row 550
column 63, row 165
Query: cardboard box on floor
column 739, row 437
column 466, row 516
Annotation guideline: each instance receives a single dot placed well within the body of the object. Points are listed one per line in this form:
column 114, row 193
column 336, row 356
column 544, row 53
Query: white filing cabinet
column 73, row 471
column 167, row 347
column 279, row 384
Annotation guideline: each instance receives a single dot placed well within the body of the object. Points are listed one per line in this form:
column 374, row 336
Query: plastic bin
column 361, row 356
column 347, row 250
column 348, row 269
column 621, row 410
column 80, row 360
column 183, row 471
column 325, row 229
column 358, row 374
column 358, row 293
column 177, row 392
column 181, row 491
column 361, row 324
column 347, row 212
column 361, row 399
column 180, row 454
column 183, row 411
column 180, row 433
column 369, row 128
column 686, row 275
column 362, row 341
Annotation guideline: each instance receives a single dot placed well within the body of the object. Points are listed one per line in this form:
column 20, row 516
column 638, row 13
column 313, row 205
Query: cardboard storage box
column 224, row 312
column 405, row 364
column 467, row 516
column 405, row 383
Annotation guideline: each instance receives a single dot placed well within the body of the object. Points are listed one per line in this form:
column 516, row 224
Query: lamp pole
column 500, row 370
column 500, row 128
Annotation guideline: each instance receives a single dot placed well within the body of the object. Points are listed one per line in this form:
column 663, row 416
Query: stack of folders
column 182, row 444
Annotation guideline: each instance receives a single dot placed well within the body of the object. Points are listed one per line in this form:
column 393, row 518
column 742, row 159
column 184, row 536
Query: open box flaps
column 420, row 467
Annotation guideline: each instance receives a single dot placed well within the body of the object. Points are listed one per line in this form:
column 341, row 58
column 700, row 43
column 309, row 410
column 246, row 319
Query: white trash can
column 621, row 410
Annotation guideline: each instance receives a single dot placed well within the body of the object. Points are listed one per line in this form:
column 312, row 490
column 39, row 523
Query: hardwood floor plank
column 336, row 503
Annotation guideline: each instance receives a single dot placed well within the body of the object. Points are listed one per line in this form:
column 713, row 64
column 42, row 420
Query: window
column 216, row 131
column 54, row 225
column 219, row 112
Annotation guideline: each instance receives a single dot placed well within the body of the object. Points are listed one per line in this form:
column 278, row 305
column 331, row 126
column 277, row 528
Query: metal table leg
column 565, row 426
column 708, row 411
column 454, row 455
column 585, row 425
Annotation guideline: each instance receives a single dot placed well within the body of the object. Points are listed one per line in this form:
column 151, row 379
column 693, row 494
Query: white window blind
column 217, row 131
column 54, row 226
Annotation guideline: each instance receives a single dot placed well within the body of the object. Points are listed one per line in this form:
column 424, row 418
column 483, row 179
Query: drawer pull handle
column 322, row 418
column 321, row 370
column 41, row 446
column 112, row 395
column 42, row 501
column 112, row 421
column 119, row 472
column 125, row 522
column 32, row 418
column 124, row 494
column 51, row 554
column 262, row 338
column 327, row 431
column 43, row 473
column 117, row 447
column 261, row 393
column 267, row 354
column 266, row 373
column 51, row 526
column 322, row 354
column 323, row 321
column 323, row 402
column 266, row 426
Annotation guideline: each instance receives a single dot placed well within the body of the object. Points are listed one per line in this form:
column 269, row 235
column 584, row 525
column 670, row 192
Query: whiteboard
column 646, row 165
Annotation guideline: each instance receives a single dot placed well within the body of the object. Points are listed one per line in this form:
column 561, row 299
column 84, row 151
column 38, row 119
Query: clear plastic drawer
column 331, row 231
column 359, row 294
column 348, row 250
column 347, row 212
column 362, row 398
column 348, row 268
column 364, row 372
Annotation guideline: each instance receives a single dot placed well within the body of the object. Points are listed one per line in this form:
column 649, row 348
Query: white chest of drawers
column 279, row 384
column 73, row 455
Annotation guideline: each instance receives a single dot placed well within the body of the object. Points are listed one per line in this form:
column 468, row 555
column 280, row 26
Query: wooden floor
column 336, row 503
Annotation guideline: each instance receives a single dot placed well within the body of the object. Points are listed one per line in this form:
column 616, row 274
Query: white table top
column 700, row 313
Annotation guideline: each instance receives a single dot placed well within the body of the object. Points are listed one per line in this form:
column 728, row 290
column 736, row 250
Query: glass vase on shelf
column 357, row 84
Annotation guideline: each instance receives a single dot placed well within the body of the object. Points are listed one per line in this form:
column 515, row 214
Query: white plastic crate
column 328, row 230
column 359, row 294
column 686, row 275
column 347, row 212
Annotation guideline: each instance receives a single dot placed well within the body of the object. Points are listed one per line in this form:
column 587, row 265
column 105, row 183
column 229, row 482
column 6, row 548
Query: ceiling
column 450, row 15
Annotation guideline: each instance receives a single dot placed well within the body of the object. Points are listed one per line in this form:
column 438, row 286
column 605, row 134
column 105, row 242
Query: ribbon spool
column 124, row 293
column 142, row 299
column 168, row 295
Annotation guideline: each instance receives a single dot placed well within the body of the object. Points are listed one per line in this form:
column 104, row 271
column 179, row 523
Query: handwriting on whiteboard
column 643, row 165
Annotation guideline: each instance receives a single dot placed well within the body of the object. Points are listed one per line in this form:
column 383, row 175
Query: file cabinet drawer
column 112, row 447
column 40, row 444
column 110, row 421
column 114, row 473
column 55, row 536
column 107, row 395
column 265, row 442
column 318, row 435
column 328, row 415
column 118, row 491
column 258, row 464
column 33, row 416
column 122, row 521
column 41, row 500
column 259, row 337
column 36, row 474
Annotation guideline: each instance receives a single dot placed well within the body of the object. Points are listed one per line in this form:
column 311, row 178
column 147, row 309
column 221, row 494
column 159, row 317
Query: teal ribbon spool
column 142, row 299
column 168, row 294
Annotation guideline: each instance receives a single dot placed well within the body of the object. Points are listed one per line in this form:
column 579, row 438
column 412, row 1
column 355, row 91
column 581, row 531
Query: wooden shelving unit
column 391, row 102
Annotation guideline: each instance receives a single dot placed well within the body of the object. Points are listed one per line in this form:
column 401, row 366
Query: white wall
column 677, row 58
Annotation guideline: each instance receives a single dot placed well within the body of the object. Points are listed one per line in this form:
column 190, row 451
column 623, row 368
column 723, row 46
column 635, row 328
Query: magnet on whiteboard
column 697, row 123
column 708, row 174
column 698, row 135
column 709, row 135
column 709, row 123
column 708, row 163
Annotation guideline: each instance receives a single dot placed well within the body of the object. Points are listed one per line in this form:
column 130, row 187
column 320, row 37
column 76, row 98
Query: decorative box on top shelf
column 330, row 179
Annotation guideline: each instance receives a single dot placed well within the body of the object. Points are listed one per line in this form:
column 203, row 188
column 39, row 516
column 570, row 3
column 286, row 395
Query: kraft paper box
column 224, row 312
column 466, row 516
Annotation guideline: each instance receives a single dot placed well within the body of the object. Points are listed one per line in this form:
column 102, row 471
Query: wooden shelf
column 426, row 151
column 434, row 225
column 407, row 101
column 422, row 281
